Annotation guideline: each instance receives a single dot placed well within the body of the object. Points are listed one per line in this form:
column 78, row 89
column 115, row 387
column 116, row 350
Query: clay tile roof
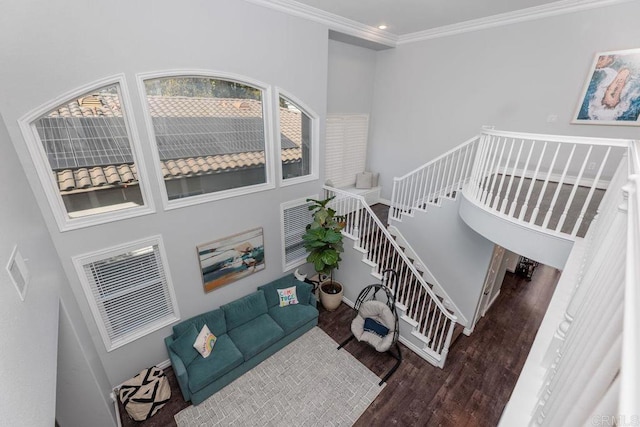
column 82, row 178
column 97, row 177
column 243, row 152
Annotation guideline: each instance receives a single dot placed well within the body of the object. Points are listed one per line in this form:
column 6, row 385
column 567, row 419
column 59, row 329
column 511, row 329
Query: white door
column 490, row 282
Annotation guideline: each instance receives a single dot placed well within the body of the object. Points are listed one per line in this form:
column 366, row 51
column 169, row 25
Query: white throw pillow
column 205, row 342
column 287, row 296
column 363, row 180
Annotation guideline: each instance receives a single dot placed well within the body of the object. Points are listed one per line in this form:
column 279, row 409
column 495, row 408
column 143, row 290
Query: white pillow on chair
column 363, row 180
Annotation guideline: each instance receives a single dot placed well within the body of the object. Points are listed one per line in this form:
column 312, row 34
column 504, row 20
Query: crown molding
column 529, row 14
column 334, row 22
column 372, row 34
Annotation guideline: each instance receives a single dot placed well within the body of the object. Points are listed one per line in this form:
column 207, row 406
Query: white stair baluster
column 496, row 200
column 534, row 178
column 512, row 208
column 587, row 201
column 534, row 215
column 547, row 217
column 563, row 217
column 505, row 201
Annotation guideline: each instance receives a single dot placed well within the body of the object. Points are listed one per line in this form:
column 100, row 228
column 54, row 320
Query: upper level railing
column 382, row 252
column 629, row 405
column 556, row 184
column 433, row 181
column 547, row 181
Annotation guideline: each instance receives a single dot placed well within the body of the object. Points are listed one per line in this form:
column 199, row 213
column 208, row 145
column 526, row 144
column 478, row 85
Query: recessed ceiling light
column 382, row 27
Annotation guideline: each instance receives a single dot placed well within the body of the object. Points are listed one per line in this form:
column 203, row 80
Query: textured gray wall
column 30, row 328
column 71, row 43
column 350, row 79
column 456, row 255
column 431, row 96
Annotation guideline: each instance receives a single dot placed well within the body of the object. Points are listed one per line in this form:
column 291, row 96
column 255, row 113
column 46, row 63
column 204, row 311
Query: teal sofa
column 248, row 331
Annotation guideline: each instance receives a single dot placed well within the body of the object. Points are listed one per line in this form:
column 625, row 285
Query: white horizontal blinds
column 295, row 220
column 346, row 147
column 131, row 292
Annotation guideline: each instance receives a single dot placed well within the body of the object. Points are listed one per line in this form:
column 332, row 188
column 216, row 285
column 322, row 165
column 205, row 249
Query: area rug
column 307, row 383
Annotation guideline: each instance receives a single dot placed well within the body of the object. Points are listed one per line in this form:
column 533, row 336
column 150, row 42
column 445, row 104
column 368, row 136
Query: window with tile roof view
column 89, row 151
column 210, row 134
column 295, row 130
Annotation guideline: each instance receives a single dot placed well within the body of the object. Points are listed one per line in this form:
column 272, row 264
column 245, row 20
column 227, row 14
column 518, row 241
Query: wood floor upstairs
column 481, row 370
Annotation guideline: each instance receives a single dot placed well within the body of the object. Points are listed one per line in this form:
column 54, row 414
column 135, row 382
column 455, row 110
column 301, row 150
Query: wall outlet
column 552, row 118
column 592, row 166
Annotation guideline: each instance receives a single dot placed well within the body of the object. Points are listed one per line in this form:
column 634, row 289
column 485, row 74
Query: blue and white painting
column 232, row 258
column 612, row 93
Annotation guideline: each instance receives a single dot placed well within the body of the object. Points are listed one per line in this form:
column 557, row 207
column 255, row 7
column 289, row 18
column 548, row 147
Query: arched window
column 85, row 157
column 298, row 141
column 210, row 136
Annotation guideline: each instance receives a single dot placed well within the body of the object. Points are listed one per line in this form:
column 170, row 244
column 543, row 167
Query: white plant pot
column 331, row 301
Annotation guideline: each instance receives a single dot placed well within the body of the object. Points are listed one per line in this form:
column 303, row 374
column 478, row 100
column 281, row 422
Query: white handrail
column 440, row 157
column 630, row 370
column 433, row 281
column 571, row 164
column 381, row 247
column 583, row 165
column 585, row 140
column 431, row 182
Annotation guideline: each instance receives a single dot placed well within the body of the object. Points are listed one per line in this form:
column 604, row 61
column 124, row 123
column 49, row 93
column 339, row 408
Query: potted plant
column 323, row 241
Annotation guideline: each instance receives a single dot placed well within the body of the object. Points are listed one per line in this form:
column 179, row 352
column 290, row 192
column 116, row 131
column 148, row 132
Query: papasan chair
column 376, row 321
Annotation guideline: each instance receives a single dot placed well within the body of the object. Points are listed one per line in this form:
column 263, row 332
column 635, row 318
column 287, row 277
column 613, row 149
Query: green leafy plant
column 323, row 237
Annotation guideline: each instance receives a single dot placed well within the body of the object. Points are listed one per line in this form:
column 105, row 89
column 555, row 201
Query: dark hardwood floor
column 481, row 370
column 471, row 390
column 476, row 382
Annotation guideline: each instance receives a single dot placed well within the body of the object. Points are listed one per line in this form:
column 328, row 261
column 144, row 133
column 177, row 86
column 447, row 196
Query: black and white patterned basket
column 143, row 395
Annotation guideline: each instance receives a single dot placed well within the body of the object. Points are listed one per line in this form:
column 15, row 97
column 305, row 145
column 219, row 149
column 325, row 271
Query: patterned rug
column 307, row 383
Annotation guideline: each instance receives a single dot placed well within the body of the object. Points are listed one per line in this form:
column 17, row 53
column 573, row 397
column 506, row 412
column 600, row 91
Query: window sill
column 298, row 180
column 211, row 197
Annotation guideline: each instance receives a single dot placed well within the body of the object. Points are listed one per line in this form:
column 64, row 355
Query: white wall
column 72, row 43
column 431, row 96
column 456, row 255
column 350, row 78
column 79, row 400
column 30, row 328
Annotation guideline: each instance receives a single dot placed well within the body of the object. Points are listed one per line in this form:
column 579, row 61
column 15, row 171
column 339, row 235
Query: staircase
column 532, row 194
column 427, row 322
column 546, row 188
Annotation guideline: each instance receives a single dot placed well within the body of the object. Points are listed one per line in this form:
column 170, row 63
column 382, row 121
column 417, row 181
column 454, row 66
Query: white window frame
column 315, row 139
column 269, row 154
column 283, row 206
column 80, row 261
column 43, row 168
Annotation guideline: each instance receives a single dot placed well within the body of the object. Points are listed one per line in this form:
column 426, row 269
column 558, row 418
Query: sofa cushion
column 244, row 309
column 224, row 357
column 214, row 320
column 303, row 290
column 183, row 345
column 292, row 317
column 256, row 335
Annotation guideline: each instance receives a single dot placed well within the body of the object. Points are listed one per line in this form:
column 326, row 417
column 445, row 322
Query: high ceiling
column 409, row 16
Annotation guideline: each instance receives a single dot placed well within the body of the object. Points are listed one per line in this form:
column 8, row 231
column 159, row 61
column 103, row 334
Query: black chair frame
column 369, row 294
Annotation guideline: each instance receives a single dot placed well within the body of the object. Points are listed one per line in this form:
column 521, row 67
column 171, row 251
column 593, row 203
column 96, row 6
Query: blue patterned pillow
column 375, row 327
